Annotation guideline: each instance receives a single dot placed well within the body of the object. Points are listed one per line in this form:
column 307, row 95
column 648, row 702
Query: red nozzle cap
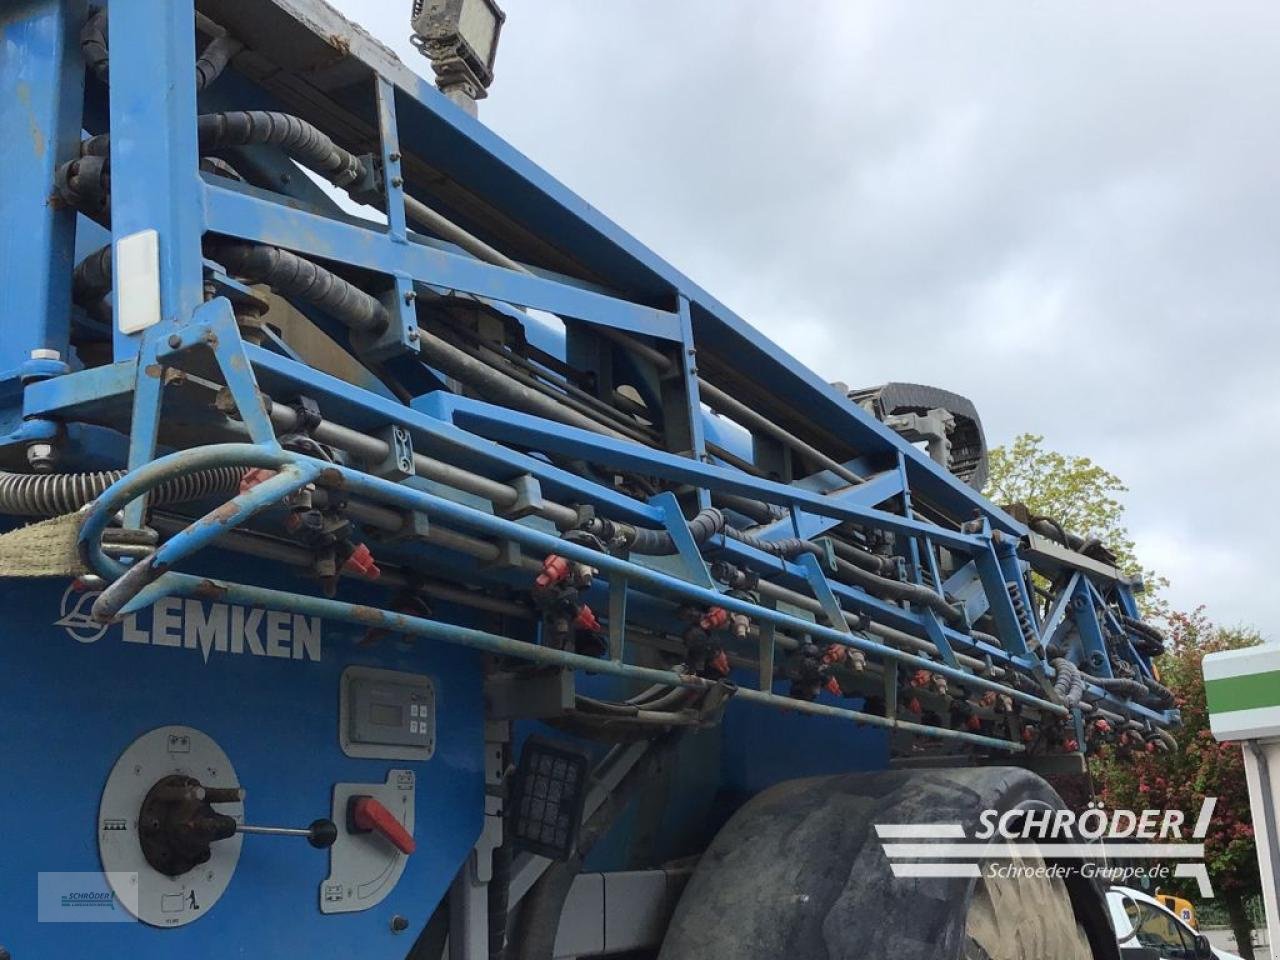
column 366, row 814
column 554, row 569
column 361, row 561
column 714, row 619
column 586, row 620
column 719, row 664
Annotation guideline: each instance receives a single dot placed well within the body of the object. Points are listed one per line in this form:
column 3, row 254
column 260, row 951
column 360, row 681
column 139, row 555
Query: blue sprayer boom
column 400, row 558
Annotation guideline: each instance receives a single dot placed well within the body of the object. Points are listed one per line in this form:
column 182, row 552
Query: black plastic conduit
column 300, row 140
column 658, row 543
column 900, row 590
column 209, row 65
column 293, row 276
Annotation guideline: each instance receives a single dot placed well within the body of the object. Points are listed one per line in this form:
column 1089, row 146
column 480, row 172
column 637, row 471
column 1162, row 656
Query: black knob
column 321, row 834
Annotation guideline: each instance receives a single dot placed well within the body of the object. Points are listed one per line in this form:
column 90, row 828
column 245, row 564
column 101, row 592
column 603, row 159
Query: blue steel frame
column 621, row 287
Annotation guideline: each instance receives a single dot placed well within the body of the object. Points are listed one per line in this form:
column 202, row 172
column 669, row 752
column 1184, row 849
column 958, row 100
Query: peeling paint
column 210, row 590
column 23, row 92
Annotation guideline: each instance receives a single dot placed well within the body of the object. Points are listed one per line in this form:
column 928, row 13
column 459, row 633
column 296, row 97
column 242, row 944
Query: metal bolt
column 44, row 355
column 394, row 157
column 397, row 181
column 41, row 458
column 399, row 924
column 410, row 296
column 413, row 334
column 175, row 341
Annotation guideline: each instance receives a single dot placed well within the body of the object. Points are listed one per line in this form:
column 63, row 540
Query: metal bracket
column 673, row 520
column 617, row 617
column 398, row 464
column 933, row 627
column 401, row 335
column 528, row 497
column 822, row 591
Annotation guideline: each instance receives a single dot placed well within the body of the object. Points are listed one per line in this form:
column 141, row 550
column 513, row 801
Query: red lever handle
column 365, row 814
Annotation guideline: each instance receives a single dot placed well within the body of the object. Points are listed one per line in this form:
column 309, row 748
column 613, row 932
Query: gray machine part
column 152, row 897
column 386, row 714
column 364, row 867
column 920, row 412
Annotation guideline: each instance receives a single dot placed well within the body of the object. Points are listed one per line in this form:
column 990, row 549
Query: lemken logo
column 207, row 627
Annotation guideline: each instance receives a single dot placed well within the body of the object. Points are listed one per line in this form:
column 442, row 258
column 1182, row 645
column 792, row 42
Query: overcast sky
column 1067, row 211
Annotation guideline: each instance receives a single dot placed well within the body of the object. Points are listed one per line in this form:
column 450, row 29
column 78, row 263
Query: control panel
column 371, row 852
column 169, row 884
column 387, row 714
column 206, row 791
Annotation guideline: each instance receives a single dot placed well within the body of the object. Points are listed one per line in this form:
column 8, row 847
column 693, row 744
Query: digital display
column 386, row 714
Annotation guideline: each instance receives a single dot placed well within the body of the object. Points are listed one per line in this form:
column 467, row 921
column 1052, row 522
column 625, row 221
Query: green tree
column 1076, row 492
column 1200, row 767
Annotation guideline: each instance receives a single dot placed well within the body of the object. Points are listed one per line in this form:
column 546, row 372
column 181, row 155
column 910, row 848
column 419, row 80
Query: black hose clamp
column 308, row 414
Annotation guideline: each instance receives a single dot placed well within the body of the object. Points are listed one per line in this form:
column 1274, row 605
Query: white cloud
column 1066, row 211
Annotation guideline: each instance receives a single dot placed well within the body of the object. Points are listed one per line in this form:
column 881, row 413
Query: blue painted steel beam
column 1098, row 659
column 81, row 394
column 460, row 515
column 185, row 585
column 248, row 216
column 1058, row 622
column 286, row 379
column 41, row 92
column 510, row 426
column 807, row 525
column 155, row 182
column 476, row 158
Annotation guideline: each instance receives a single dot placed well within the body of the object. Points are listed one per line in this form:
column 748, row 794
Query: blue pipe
column 186, row 585
column 452, row 513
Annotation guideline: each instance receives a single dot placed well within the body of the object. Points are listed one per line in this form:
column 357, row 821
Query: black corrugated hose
column 1068, row 683
column 900, row 590
column 658, row 543
column 293, row 276
column 209, row 65
column 286, row 273
column 299, row 139
column 1155, row 640
column 83, row 184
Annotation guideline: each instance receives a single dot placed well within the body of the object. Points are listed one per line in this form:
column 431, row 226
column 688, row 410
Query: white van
column 1142, row 921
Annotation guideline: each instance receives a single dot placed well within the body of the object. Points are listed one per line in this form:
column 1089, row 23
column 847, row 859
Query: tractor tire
column 799, row 873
